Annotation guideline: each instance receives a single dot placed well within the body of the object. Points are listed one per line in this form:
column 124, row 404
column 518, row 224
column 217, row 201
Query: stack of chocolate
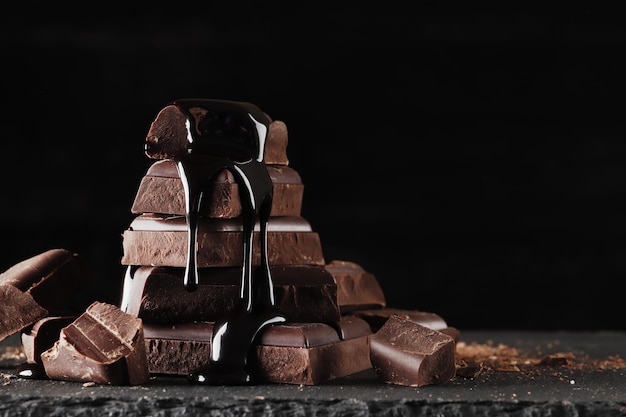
column 334, row 320
column 332, row 309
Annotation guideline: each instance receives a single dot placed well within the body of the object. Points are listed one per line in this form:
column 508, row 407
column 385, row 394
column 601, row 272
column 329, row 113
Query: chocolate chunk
column 42, row 335
column 103, row 345
column 161, row 191
column 157, row 294
column 356, row 288
column 161, row 240
column 403, row 352
column 377, row 317
column 293, row 353
column 169, row 133
column 52, row 282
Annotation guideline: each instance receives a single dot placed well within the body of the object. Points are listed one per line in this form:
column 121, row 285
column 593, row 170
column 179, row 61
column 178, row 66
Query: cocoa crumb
column 473, row 359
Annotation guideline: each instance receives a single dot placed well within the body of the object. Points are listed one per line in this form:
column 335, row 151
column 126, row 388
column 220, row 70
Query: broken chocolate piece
column 161, row 191
column 51, row 282
column 290, row 353
column 160, row 240
column 103, row 345
column 157, row 294
column 377, row 317
column 403, row 352
column 356, row 288
column 169, row 133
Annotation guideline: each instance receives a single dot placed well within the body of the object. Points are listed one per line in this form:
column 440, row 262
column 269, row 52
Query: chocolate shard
column 42, row 335
column 53, row 282
column 168, row 137
column 291, row 353
column 161, row 240
column 357, row 289
column 161, row 191
column 379, row 316
column 157, row 294
column 103, row 345
column 403, row 352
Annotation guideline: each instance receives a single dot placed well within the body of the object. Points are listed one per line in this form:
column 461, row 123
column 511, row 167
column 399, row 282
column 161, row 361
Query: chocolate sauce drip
column 230, row 135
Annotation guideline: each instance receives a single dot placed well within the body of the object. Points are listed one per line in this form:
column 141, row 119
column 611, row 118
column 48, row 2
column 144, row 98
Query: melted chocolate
column 230, row 135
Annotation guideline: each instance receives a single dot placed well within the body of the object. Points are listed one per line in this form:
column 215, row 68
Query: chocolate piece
column 157, row 294
column 294, row 353
column 51, row 282
column 42, row 335
column 377, row 317
column 169, row 133
column 161, row 191
column 161, row 240
column 403, row 352
column 103, row 345
column 356, row 288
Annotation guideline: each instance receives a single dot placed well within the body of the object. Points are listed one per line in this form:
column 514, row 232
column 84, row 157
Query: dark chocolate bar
column 403, row 352
column 168, row 137
column 378, row 316
column 161, row 240
column 357, row 289
column 157, row 294
column 103, row 345
column 161, row 191
column 294, row 353
column 52, row 282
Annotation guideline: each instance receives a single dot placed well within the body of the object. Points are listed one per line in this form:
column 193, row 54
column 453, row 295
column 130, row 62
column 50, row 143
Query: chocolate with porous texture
column 377, row 317
column 168, row 137
column 52, row 282
column 403, row 352
column 157, row 294
column 161, row 191
column 357, row 289
column 103, row 345
column 293, row 353
column 160, row 240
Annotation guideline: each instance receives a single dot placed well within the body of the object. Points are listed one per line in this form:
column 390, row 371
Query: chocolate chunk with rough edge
column 168, row 137
column 103, row 345
column 161, row 240
column 357, row 289
column 403, row 352
column 50, row 283
column 291, row 353
column 161, row 191
column 157, row 294
column 377, row 317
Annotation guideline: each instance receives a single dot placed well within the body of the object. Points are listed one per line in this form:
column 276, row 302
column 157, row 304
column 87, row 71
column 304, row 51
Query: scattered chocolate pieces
column 51, row 282
column 103, row 345
column 403, row 352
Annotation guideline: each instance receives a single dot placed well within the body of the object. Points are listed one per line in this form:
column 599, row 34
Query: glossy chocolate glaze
column 230, row 135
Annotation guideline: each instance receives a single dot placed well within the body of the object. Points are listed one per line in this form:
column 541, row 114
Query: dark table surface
column 592, row 382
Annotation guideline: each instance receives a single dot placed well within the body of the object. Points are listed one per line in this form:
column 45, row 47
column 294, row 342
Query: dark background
column 473, row 161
